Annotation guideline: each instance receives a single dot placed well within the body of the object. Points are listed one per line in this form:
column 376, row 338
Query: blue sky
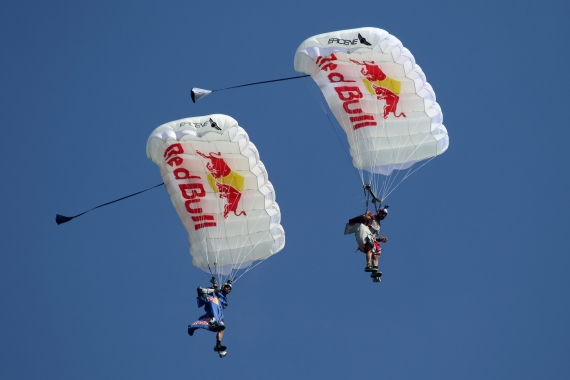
column 475, row 278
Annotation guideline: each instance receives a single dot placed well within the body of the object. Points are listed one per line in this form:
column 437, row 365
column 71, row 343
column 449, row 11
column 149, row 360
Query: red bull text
column 190, row 189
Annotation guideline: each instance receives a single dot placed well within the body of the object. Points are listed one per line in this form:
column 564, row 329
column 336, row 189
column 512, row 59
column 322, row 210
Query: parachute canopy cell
column 378, row 94
column 220, row 190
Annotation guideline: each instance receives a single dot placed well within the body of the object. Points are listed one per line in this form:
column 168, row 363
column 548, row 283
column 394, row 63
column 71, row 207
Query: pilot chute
column 220, row 190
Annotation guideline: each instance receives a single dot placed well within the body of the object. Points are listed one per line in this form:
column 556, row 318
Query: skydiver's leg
column 376, row 250
column 219, row 337
column 376, row 256
column 201, row 323
column 368, row 260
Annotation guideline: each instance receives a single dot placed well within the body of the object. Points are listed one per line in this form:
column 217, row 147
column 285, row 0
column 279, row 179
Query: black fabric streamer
column 59, row 219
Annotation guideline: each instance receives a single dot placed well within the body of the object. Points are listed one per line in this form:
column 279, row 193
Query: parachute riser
column 375, row 200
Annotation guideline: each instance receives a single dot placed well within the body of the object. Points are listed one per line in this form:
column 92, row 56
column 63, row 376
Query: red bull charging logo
column 370, row 71
column 225, row 181
column 375, row 81
column 221, row 178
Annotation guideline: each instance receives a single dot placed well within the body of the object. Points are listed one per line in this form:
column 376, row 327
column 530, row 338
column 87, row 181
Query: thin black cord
column 59, row 219
column 267, row 81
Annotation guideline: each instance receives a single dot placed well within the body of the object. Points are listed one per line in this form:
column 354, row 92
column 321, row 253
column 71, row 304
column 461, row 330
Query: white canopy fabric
column 220, row 190
column 379, row 95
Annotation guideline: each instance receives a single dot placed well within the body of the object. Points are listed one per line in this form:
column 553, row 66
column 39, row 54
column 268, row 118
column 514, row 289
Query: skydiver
column 366, row 228
column 368, row 240
column 214, row 301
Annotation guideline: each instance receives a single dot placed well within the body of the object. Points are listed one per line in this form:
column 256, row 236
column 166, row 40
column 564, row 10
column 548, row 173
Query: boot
column 219, row 347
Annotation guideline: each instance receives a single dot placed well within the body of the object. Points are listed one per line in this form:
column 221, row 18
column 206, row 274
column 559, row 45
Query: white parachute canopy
column 380, row 97
column 221, row 192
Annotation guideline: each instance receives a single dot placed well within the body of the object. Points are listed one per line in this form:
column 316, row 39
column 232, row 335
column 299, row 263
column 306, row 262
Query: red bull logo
column 222, row 179
column 213, row 299
column 370, row 71
column 191, row 188
column 375, row 81
column 233, row 196
column 378, row 83
column 217, row 166
column 390, row 98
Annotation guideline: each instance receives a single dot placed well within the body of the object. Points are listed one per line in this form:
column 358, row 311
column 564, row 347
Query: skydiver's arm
column 205, row 291
column 203, row 295
column 356, row 219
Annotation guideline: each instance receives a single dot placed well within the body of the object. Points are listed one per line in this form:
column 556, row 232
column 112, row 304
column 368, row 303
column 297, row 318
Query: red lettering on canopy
column 182, row 173
column 192, row 192
column 175, row 161
column 185, row 187
column 190, row 209
column 354, row 119
column 350, row 95
column 339, row 77
column 325, row 63
column 172, row 150
column 352, row 91
column 203, row 218
column 351, row 111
